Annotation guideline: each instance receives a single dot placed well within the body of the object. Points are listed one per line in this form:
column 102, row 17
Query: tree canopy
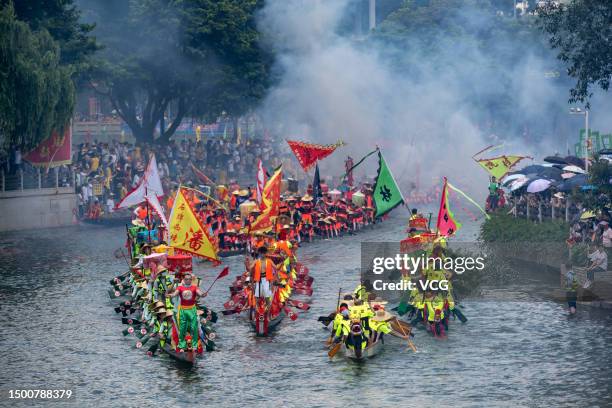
column 182, row 57
column 61, row 18
column 581, row 31
column 36, row 89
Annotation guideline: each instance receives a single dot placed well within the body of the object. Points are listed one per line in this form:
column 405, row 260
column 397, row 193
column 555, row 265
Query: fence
column 544, row 210
column 39, row 179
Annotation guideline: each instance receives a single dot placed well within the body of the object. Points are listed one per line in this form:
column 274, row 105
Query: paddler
column 363, row 290
column 262, row 274
column 187, row 314
column 165, row 328
column 341, row 323
column 379, row 327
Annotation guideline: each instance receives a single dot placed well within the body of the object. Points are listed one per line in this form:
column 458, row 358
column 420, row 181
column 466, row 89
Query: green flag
column 387, row 194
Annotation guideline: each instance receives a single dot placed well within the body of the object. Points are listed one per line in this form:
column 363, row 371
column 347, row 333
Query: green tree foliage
column 186, row 57
column 581, row 31
column 36, row 90
column 61, row 18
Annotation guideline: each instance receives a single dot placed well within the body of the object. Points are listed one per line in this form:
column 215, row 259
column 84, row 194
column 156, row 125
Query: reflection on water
column 59, row 330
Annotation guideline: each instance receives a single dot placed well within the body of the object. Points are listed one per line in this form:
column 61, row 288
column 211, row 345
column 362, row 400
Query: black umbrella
column 538, row 171
column 555, row 160
column 569, row 184
column 575, row 161
column 531, row 169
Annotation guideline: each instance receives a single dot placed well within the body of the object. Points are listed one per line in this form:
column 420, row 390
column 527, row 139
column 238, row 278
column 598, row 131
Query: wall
column 39, row 208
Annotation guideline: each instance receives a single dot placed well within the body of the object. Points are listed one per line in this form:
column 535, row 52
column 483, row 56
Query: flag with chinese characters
column 499, row 166
column 270, row 203
column 187, row 233
column 446, row 225
column 387, row 194
column 308, row 154
column 53, row 151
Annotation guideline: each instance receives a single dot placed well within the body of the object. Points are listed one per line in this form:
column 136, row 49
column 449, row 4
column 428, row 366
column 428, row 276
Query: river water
column 58, row 331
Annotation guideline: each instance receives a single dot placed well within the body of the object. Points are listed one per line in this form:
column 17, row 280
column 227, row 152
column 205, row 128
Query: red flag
column 446, row 225
column 308, row 153
column 53, row 151
column 270, row 203
column 200, row 175
column 224, row 272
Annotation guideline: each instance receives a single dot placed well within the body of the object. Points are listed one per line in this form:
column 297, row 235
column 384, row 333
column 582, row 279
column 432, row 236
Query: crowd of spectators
column 106, row 172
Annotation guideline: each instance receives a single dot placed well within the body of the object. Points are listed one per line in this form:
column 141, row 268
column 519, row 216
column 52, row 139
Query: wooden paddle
column 410, row 343
column 331, row 335
column 331, row 353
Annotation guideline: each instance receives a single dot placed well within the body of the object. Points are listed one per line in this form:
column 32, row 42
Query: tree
column 61, row 18
column 36, row 90
column 582, row 33
column 186, row 57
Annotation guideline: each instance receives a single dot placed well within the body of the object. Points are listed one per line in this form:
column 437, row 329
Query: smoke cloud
column 429, row 119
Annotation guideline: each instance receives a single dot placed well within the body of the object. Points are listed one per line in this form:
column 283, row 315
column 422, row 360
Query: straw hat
column 160, row 310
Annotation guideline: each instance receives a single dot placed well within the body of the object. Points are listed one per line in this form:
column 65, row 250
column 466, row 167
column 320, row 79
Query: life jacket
column 269, row 271
column 284, row 246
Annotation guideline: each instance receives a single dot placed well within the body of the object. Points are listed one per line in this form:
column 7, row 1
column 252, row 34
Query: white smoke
column 339, row 87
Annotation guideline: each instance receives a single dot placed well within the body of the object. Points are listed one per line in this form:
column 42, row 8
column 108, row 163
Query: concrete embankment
column 37, row 208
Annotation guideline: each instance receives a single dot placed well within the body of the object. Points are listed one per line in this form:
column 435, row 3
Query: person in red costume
column 187, row 314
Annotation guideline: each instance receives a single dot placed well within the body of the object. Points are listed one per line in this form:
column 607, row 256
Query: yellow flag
column 198, row 133
column 187, row 232
column 270, row 205
column 499, row 166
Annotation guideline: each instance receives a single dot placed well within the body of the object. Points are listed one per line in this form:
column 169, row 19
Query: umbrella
column 569, row 184
column 555, row 160
column 516, row 184
column 574, row 169
column 532, row 168
column 567, row 175
column 506, row 180
column 575, row 161
column 538, row 185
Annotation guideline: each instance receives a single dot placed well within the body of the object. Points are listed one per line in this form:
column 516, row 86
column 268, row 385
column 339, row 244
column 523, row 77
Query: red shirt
column 187, row 295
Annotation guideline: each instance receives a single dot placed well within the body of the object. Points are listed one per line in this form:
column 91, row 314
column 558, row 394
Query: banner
column 150, row 184
column 446, row 224
column 270, row 204
column 261, row 181
column 316, row 185
column 201, row 176
column 186, row 231
column 53, row 151
column 499, row 166
column 387, row 194
column 307, row 153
